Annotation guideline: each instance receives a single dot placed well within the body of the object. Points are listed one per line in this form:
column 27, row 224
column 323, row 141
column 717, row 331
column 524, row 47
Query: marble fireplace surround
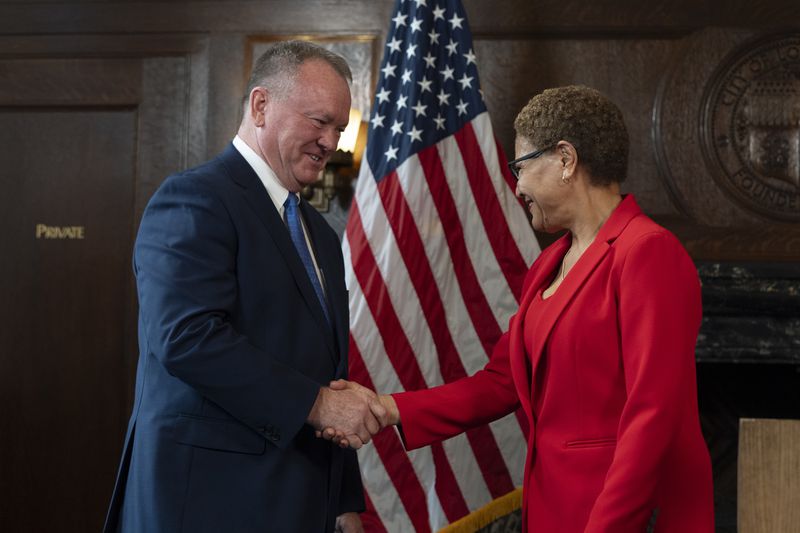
column 748, row 360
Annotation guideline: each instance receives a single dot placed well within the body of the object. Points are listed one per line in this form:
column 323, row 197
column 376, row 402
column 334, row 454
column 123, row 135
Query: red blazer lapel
column 574, row 280
column 519, row 362
column 577, row 277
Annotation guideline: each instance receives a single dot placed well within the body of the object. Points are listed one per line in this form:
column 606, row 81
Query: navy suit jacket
column 234, row 346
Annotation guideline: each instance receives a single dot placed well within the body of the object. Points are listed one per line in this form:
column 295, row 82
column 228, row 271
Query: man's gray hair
column 277, row 67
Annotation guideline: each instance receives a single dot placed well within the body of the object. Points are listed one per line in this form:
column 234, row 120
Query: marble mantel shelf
column 751, row 312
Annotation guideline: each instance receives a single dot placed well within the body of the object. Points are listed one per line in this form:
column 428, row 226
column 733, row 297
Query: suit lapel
column 326, row 257
column 577, row 277
column 519, row 361
column 257, row 197
column 565, row 293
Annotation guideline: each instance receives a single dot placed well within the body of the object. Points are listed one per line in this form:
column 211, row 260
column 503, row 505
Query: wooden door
column 83, row 144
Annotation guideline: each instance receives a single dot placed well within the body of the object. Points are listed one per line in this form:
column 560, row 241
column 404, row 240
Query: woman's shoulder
column 644, row 244
column 644, row 231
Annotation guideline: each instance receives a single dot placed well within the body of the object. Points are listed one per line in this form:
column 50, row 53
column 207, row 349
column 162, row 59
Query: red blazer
column 614, row 443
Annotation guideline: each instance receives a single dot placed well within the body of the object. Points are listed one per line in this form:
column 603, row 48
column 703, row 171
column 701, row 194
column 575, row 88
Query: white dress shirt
column 277, row 192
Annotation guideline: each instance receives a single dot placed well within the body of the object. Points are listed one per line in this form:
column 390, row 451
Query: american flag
column 436, row 249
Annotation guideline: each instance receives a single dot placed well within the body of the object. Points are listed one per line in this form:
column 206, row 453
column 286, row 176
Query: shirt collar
column 277, row 192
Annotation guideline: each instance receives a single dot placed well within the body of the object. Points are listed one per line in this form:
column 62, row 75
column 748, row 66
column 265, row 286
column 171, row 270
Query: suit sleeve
column 352, row 493
column 432, row 415
column 659, row 312
column 185, row 264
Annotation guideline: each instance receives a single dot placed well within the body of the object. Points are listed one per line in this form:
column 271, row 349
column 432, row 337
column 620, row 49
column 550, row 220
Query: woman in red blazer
column 600, row 354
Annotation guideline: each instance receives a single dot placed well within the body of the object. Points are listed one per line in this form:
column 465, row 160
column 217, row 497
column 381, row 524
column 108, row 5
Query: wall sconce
column 342, row 168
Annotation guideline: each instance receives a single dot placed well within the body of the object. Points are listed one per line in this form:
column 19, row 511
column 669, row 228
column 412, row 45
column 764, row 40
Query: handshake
column 349, row 414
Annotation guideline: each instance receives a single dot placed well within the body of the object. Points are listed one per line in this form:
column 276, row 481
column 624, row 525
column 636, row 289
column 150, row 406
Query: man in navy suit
column 243, row 322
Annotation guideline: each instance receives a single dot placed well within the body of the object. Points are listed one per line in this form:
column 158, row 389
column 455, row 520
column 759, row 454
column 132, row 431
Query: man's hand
column 384, row 410
column 352, row 411
column 349, row 523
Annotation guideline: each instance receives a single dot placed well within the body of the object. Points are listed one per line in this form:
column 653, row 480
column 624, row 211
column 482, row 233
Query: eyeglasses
column 512, row 165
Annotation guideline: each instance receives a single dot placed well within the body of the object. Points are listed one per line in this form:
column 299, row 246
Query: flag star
column 419, row 109
column 406, row 76
column 388, row 70
column 447, row 73
column 397, row 127
column 383, row 95
column 412, row 50
column 455, row 22
column 401, row 102
column 415, row 134
column 443, row 98
column 430, row 60
column 416, row 25
column 424, row 85
column 421, row 3
column 470, row 57
column 439, row 121
column 390, row 154
column 465, row 81
column 462, row 107
column 434, row 37
column 451, row 48
column 400, row 20
column 377, row 121
column 394, row 44
column 438, row 13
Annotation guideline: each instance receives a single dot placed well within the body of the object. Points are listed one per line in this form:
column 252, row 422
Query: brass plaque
column 43, row 231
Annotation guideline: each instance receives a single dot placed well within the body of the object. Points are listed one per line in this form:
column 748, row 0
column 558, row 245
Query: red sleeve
column 660, row 312
column 432, row 415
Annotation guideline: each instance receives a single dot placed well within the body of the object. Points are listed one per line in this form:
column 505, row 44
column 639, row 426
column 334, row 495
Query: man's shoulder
column 213, row 174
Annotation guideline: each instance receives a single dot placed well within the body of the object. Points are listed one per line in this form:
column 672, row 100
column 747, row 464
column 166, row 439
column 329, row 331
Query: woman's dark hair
column 587, row 119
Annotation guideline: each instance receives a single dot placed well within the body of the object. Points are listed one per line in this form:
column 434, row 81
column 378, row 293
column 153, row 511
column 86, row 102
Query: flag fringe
column 487, row 514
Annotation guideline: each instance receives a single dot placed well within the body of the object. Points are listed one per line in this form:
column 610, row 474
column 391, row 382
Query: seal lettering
column 751, row 126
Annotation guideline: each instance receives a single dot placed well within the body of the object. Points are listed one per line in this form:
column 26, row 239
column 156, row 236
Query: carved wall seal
column 750, row 128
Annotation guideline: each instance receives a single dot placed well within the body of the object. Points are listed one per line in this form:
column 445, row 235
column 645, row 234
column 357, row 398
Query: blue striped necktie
column 292, row 215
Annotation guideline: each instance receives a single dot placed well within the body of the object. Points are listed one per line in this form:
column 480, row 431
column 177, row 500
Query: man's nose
column 329, row 139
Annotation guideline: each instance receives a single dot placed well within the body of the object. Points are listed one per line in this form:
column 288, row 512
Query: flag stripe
column 488, row 456
column 505, row 184
column 427, row 222
column 372, row 356
column 437, row 246
column 477, row 305
column 370, row 521
column 426, row 218
column 378, row 232
column 390, row 450
column 399, row 352
column 505, row 249
column 507, row 175
column 492, row 281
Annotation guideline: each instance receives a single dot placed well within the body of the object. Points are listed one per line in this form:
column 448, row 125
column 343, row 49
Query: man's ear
column 259, row 98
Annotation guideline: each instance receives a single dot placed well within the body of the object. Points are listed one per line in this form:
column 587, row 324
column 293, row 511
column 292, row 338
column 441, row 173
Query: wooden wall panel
column 627, row 70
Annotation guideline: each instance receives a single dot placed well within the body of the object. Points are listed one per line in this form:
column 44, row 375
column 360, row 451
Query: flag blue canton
column 428, row 87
